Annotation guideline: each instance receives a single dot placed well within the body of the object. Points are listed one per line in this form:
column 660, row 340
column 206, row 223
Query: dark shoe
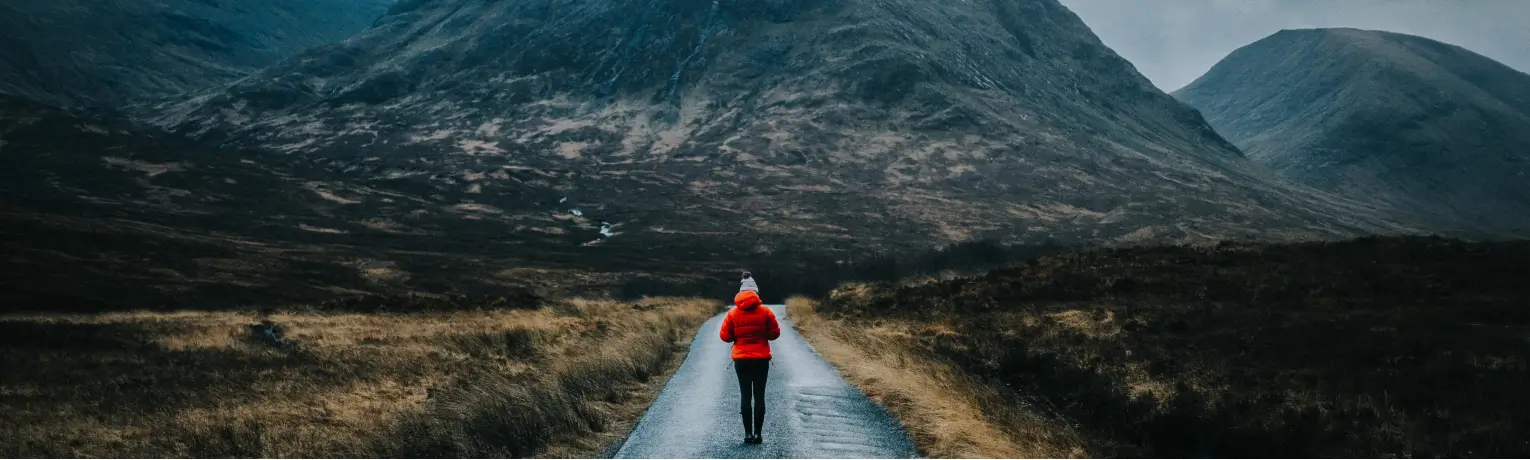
column 755, row 440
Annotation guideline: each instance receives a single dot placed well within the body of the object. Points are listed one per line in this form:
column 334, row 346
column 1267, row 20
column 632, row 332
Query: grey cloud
column 1174, row 41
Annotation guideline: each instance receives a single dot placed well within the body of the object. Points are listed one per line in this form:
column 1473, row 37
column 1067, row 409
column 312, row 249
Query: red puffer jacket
column 750, row 327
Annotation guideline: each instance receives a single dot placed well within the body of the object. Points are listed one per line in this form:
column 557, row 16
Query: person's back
column 750, row 327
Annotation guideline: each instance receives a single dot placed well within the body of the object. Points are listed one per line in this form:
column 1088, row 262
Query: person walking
column 750, row 327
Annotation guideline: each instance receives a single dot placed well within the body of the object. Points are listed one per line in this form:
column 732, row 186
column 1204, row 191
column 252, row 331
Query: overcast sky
column 1173, row 42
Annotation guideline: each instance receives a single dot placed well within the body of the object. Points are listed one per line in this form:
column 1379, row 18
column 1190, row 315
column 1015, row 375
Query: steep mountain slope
column 94, row 53
column 846, row 124
column 96, row 214
column 1431, row 133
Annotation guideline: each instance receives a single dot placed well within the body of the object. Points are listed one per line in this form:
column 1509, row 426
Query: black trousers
column 751, row 382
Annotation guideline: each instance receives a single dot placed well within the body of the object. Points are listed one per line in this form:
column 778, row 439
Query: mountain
column 97, row 213
column 844, row 125
column 76, row 53
column 1429, row 133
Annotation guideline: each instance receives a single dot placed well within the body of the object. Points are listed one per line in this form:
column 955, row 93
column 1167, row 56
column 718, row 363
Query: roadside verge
column 947, row 414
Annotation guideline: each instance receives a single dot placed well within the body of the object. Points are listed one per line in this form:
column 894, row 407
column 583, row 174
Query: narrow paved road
column 810, row 411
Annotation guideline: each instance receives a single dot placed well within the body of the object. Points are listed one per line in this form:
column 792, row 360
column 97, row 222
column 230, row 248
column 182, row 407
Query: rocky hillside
column 840, row 125
column 92, row 53
column 96, row 214
column 1428, row 132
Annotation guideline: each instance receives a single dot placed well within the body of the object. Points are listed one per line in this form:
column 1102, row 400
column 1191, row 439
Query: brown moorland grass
column 948, row 413
column 1379, row 347
column 497, row 382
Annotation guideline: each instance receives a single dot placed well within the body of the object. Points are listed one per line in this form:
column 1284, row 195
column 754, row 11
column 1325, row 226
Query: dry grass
column 948, row 414
column 1410, row 347
column 497, row 382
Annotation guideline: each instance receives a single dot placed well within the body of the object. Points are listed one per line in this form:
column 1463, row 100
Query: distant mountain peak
column 1431, row 132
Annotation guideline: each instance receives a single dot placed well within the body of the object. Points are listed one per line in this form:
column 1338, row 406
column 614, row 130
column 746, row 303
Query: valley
column 419, row 228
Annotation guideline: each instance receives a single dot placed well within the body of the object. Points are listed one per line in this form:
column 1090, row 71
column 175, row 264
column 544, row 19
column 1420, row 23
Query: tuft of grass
column 495, row 381
column 1379, row 347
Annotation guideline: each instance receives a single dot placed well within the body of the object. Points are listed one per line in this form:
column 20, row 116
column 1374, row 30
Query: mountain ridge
column 958, row 121
column 108, row 55
column 1429, row 132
